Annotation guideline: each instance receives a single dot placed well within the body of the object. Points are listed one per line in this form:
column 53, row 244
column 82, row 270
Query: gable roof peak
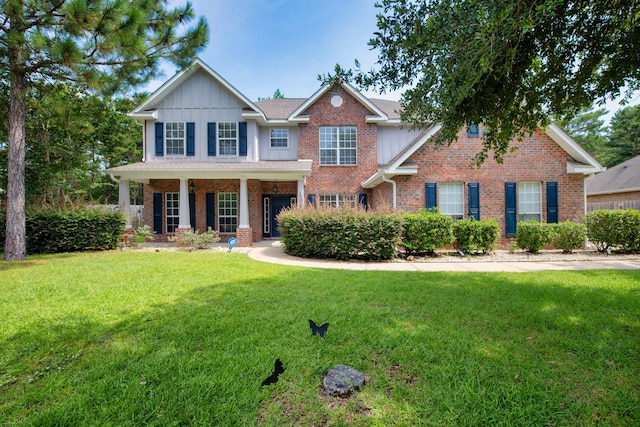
column 377, row 114
column 178, row 78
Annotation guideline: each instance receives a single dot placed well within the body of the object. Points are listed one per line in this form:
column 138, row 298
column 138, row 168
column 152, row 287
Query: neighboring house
column 213, row 158
column 615, row 188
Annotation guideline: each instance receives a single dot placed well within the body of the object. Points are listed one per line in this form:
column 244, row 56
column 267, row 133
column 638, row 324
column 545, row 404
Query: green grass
column 176, row 338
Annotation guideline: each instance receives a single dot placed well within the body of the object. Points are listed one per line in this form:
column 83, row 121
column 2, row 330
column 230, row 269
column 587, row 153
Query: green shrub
column 473, row 236
column 51, row 231
column 532, row 235
column 343, row 233
column 568, row 235
column 195, row 239
column 426, row 231
column 616, row 229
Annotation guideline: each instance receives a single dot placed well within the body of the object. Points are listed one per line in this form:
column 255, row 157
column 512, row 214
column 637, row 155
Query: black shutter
column 211, row 139
column 157, row 213
column 211, row 211
column 431, row 191
column 191, row 139
column 474, row 200
column 552, row 202
column 510, row 208
column 242, row 136
column 159, row 139
column 362, row 200
column 192, row 209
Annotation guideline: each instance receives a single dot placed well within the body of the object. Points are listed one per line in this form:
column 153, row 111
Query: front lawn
column 178, row 338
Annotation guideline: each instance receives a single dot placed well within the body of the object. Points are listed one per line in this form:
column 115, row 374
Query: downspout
column 393, row 186
column 144, row 141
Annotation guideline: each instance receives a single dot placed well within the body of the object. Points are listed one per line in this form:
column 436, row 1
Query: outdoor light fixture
column 192, row 187
column 275, row 187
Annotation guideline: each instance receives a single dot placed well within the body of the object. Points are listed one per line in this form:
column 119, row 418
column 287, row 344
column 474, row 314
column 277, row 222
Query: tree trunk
column 15, row 246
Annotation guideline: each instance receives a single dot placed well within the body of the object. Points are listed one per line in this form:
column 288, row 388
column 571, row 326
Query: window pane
column 279, row 138
column 174, row 138
column 227, row 212
column 452, row 199
column 228, row 138
column 529, row 201
column 338, row 145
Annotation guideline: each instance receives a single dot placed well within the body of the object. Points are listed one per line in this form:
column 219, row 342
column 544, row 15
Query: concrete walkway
column 271, row 251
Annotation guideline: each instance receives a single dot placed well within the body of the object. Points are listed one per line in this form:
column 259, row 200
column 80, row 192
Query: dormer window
column 175, row 138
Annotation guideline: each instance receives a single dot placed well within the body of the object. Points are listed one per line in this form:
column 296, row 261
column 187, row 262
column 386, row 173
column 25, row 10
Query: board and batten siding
column 392, row 140
column 201, row 100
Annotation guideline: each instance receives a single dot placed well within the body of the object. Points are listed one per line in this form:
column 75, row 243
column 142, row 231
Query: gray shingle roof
column 283, row 107
column 625, row 176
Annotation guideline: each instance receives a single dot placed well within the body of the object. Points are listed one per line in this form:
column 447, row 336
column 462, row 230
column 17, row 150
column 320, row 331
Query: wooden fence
column 617, row 204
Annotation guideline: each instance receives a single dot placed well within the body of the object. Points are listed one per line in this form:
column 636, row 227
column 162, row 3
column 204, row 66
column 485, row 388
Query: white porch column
column 185, row 217
column 123, row 200
column 244, row 204
column 301, row 198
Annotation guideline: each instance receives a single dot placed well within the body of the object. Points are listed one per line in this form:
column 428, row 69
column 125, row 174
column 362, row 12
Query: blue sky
column 262, row 45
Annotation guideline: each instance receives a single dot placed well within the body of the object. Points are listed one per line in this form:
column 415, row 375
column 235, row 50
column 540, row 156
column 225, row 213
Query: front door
column 277, row 202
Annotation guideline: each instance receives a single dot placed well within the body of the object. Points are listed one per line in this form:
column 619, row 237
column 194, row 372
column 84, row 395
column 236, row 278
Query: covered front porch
column 237, row 200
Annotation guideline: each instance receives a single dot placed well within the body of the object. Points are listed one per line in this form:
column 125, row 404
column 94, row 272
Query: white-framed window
column 279, row 138
column 227, row 212
column 228, row 138
column 338, row 145
column 529, row 201
column 452, row 199
column 335, row 200
column 172, row 211
column 174, row 138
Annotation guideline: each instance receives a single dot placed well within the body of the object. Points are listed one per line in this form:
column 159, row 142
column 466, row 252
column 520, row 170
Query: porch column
column 244, row 233
column 123, row 201
column 300, row 199
column 185, row 217
column 244, row 204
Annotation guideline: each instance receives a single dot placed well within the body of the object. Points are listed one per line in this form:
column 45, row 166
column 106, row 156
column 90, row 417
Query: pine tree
column 106, row 45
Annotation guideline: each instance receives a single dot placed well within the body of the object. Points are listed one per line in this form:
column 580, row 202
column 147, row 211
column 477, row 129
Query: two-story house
column 213, row 158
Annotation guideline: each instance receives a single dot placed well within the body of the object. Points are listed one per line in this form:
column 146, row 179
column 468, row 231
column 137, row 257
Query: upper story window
column 452, row 199
column 473, row 131
column 228, row 138
column 279, row 138
column 338, row 145
column 175, row 138
column 529, row 201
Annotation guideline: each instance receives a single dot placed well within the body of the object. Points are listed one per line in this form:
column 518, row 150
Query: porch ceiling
column 265, row 170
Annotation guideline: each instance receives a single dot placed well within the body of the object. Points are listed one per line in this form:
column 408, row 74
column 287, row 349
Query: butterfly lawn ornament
column 318, row 330
column 277, row 370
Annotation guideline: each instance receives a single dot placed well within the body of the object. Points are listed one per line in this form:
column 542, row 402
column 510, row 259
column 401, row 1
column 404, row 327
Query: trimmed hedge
column 75, row 230
column 614, row 229
column 426, row 231
column 472, row 236
column 568, row 235
column 344, row 233
column 532, row 235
